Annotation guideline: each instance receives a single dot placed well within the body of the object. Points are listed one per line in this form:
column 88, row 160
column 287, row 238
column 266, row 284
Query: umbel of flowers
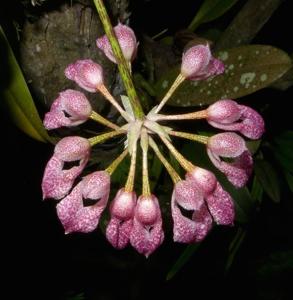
column 137, row 220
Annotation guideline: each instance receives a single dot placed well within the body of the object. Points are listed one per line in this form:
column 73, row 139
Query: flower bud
column 86, row 73
column 198, row 63
column 126, row 39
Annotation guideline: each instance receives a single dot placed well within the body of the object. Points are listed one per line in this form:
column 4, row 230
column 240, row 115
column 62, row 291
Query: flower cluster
column 138, row 220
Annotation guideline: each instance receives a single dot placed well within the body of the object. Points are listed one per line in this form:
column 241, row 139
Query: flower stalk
column 100, row 119
column 185, row 164
column 190, row 136
column 105, row 136
column 180, row 78
column 122, row 64
column 202, row 114
column 131, row 175
column 113, row 166
column 144, row 143
column 173, row 174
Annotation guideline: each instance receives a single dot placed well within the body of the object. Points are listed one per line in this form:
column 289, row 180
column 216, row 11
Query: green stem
column 122, row 64
column 105, row 136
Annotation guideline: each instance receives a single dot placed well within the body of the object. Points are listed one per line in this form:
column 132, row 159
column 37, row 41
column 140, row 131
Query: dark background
column 42, row 263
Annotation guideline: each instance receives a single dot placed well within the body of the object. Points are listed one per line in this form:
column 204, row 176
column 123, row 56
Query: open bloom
column 198, row 63
column 71, row 108
column 74, row 215
column 86, row 73
column 231, row 145
column 147, row 233
column 57, row 180
column 186, row 196
column 229, row 115
column 122, row 213
column 126, row 39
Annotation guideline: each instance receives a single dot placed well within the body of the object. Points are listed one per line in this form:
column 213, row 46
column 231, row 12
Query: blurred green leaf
column 209, row 11
column 256, row 190
column 248, row 69
column 243, row 201
column 289, row 179
column 182, row 260
column 282, row 149
column 234, row 247
column 268, row 178
column 19, row 100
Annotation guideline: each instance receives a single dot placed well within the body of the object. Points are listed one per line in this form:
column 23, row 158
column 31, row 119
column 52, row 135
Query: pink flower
column 122, row 213
column 219, row 202
column 198, row 63
column 231, row 145
column 86, row 73
column 57, row 181
column 74, row 215
column 71, row 108
column 126, row 39
column 187, row 197
column 147, row 233
column 228, row 115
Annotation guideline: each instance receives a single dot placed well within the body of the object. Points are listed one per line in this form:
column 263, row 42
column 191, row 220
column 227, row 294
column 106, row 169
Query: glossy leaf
column 182, row 260
column 18, row 98
column 209, row 11
column 268, row 178
column 247, row 69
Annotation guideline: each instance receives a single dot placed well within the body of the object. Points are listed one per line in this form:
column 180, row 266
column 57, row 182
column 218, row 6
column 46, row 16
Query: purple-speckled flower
column 147, row 233
column 187, row 197
column 228, row 115
column 198, row 63
column 57, row 181
column 127, row 42
column 71, row 108
column 231, row 145
column 74, row 215
column 86, row 73
column 121, row 222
